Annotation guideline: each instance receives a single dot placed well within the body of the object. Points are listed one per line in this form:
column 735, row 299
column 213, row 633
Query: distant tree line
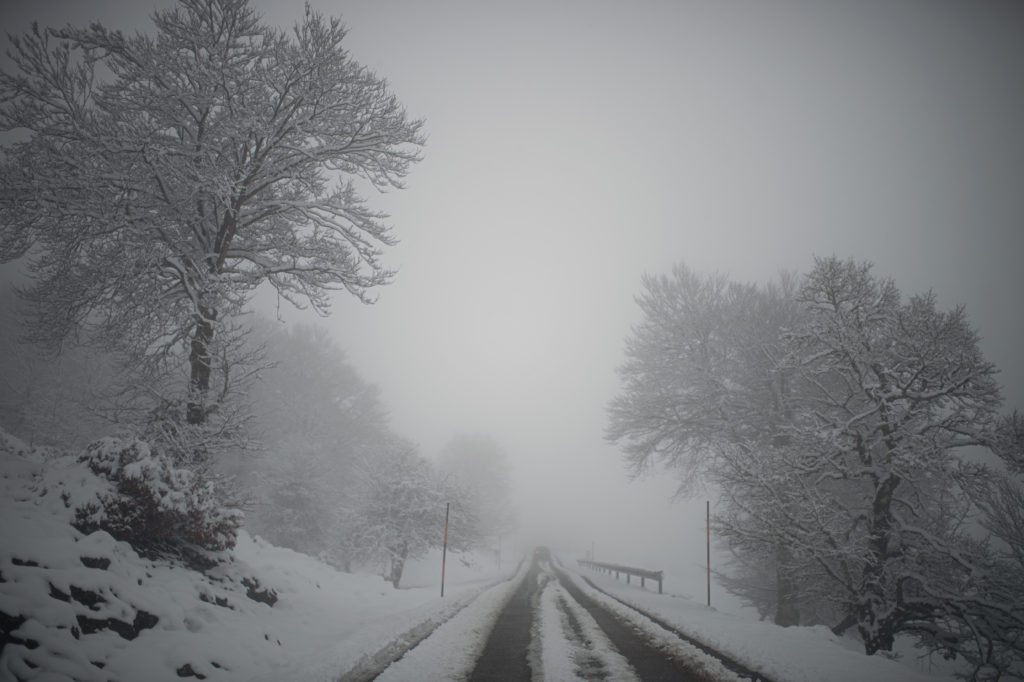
column 321, row 470
column 868, row 477
column 331, row 478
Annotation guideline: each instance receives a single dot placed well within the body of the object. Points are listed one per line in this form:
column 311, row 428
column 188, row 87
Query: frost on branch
column 397, row 511
column 166, row 176
column 838, row 419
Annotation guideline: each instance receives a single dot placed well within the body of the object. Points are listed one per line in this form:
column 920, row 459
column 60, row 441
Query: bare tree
column 164, row 177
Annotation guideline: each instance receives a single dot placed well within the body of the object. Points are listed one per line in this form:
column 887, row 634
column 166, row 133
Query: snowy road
column 549, row 625
column 607, row 647
column 581, row 640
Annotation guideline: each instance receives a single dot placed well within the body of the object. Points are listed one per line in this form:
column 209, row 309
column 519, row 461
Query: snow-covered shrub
column 154, row 503
column 78, row 607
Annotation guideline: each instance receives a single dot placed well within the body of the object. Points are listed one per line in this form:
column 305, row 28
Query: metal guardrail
column 641, row 573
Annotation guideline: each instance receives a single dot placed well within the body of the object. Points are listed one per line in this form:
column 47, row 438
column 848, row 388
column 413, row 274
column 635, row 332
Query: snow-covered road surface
column 544, row 625
column 554, row 623
column 570, row 642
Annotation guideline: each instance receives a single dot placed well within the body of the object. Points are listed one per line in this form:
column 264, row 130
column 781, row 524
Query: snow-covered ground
column 567, row 645
column 179, row 622
column 89, row 608
column 451, row 651
column 797, row 654
column 351, row 617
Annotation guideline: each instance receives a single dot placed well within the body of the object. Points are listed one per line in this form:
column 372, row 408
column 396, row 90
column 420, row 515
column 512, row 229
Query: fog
column 574, row 146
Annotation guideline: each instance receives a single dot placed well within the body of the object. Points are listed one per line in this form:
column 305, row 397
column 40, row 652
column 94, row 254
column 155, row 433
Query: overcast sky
column 574, row 146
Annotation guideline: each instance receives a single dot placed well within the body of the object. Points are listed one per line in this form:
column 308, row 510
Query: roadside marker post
column 708, row 526
column 444, row 550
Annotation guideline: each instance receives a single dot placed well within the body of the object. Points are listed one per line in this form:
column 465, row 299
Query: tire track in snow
column 726, row 661
column 566, row 644
column 547, row 627
column 595, row 657
column 646, row 657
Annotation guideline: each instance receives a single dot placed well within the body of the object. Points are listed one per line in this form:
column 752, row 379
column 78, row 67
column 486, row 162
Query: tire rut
column 589, row 665
column 728, row 662
column 506, row 653
column 649, row 662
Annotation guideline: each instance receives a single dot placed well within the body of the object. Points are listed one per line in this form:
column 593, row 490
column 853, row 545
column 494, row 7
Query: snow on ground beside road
column 356, row 615
column 450, row 653
column 67, row 599
column 796, row 654
column 52, row 577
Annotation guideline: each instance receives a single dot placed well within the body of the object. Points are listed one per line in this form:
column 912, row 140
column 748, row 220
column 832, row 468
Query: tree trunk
column 840, row 628
column 879, row 634
column 876, row 608
column 398, row 564
column 199, row 364
column 787, row 611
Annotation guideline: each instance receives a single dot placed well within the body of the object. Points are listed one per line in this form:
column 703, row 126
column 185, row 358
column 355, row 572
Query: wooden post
column 708, row 517
column 444, row 550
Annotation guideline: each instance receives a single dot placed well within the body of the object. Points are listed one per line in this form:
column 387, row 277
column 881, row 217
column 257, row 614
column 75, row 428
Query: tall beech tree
column 891, row 390
column 158, row 179
column 844, row 424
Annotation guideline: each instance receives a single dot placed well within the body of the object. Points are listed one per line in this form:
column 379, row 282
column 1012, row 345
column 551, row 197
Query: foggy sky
column 574, row 146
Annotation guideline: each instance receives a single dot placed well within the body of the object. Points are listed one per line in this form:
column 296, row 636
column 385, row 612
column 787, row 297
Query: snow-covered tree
column 701, row 387
column 158, row 180
column 46, row 400
column 843, row 434
column 397, row 510
column 889, row 391
column 480, row 466
column 314, row 417
column 666, row 412
column 989, row 633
